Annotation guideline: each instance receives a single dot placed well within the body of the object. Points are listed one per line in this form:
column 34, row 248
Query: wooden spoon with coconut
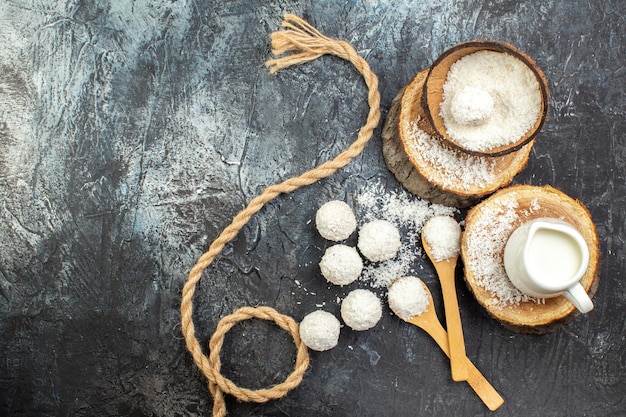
column 410, row 299
column 441, row 238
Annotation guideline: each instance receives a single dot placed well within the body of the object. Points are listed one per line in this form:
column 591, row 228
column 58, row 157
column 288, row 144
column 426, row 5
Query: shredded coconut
column 485, row 244
column 341, row 264
column 471, row 106
column 443, row 235
column 361, row 310
column 515, row 92
column 450, row 168
column 407, row 297
column 319, row 330
column 408, row 213
column 335, row 221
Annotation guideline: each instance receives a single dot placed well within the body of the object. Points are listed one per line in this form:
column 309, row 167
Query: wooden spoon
column 445, row 270
column 429, row 322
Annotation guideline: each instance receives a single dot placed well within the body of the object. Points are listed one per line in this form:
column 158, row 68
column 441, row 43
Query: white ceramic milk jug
column 547, row 257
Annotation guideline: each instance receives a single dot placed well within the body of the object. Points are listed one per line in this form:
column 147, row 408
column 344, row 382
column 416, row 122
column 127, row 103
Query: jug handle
column 579, row 297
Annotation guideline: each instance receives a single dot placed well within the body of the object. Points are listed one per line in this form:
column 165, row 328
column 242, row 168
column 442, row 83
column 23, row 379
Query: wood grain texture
column 456, row 343
column 132, row 132
column 424, row 174
column 429, row 322
column 531, row 203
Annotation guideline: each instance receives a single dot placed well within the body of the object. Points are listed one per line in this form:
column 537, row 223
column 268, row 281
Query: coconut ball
column 443, row 235
column 335, row 221
column 407, row 297
column 471, row 106
column 319, row 330
column 379, row 240
column 341, row 265
column 361, row 310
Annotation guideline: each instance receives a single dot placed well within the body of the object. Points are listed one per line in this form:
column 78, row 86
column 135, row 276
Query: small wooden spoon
column 429, row 322
column 445, row 270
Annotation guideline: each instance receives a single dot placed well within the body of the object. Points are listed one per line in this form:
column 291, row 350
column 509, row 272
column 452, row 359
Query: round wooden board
column 524, row 203
column 423, row 177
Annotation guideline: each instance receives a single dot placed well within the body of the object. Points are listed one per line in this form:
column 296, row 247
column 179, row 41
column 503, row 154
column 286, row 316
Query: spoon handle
column 485, row 391
column 445, row 270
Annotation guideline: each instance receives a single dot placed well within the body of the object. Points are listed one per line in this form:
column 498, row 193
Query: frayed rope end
column 299, row 37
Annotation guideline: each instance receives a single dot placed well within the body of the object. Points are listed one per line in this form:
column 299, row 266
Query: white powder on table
column 443, row 235
column 379, row 240
column 408, row 213
column 407, row 297
column 335, row 221
column 361, row 310
column 516, row 99
column 341, row 265
column 319, row 330
column 485, row 245
column 448, row 167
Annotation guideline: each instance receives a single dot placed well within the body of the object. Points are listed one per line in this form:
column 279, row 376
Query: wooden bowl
column 488, row 226
column 433, row 92
column 425, row 178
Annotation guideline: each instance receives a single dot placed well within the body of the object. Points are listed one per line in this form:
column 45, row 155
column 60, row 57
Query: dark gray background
column 132, row 131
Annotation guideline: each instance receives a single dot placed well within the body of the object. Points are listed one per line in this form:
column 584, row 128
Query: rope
column 223, row 385
column 305, row 44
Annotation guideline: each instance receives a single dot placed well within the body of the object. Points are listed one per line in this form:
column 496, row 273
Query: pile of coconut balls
column 361, row 309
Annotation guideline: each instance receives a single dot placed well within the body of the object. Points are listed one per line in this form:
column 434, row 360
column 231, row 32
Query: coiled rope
column 305, row 43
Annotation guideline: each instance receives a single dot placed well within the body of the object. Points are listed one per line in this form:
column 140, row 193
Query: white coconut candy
column 319, row 330
column 379, row 240
column 335, row 221
column 341, row 265
column 407, row 297
column 361, row 310
column 443, row 235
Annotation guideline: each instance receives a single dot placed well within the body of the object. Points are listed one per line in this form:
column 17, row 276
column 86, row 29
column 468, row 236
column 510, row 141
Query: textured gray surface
column 131, row 133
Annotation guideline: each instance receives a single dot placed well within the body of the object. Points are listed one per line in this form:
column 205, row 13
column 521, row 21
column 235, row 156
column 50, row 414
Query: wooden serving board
column 419, row 174
column 487, row 228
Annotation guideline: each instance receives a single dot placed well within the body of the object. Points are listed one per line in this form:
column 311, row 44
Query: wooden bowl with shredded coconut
column 430, row 167
column 488, row 226
column 506, row 98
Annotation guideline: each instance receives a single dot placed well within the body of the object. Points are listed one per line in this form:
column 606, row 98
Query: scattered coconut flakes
column 450, row 168
column 486, row 241
column 383, row 274
column 408, row 213
column 534, row 204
